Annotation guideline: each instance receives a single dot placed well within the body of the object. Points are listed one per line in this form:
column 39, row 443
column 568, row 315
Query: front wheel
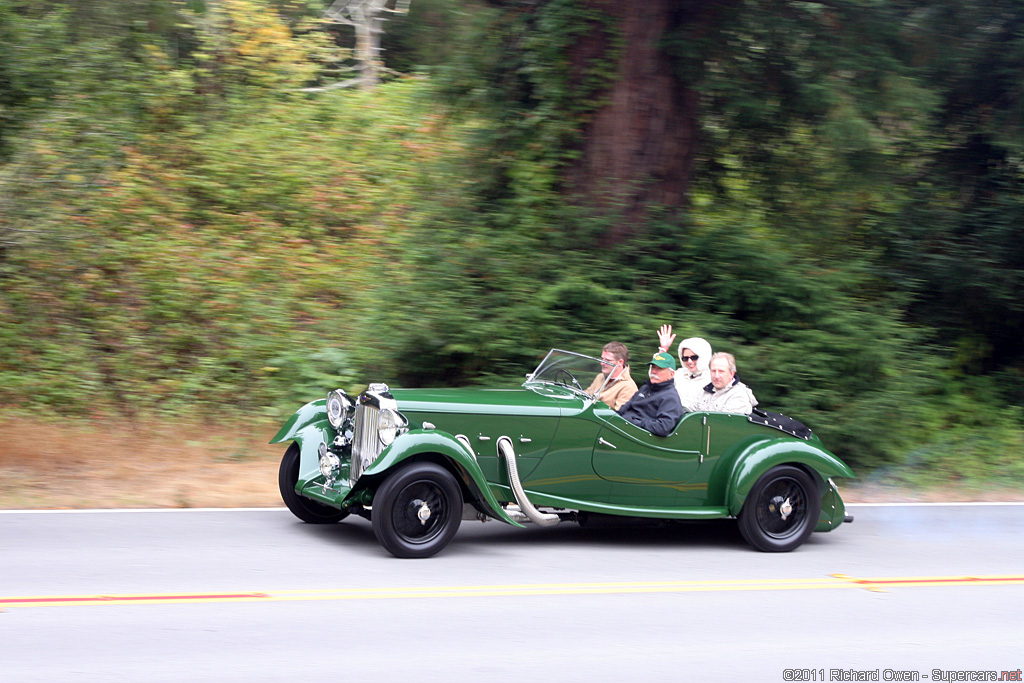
column 417, row 510
column 305, row 509
column 781, row 510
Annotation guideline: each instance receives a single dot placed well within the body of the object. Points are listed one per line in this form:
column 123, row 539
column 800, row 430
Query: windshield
column 582, row 374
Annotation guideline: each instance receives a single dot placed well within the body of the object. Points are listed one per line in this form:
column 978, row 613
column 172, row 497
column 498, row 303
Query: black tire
column 307, row 510
column 418, row 489
column 764, row 522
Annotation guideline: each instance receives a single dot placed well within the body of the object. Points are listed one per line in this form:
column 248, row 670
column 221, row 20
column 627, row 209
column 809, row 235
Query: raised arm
column 665, row 337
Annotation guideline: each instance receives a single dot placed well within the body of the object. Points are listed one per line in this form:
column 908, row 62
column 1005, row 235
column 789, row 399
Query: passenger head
column 723, row 369
column 694, row 346
column 662, row 368
column 617, row 354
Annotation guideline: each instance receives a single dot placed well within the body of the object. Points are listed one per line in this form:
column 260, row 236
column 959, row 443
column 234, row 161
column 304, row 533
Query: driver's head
column 615, row 353
column 662, row 368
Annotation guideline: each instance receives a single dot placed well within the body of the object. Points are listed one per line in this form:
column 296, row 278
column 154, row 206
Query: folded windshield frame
column 574, row 371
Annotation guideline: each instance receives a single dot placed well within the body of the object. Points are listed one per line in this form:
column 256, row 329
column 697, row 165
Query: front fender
column 762, row 456
column 422, row 442
column 308, row 427
column 306, row 416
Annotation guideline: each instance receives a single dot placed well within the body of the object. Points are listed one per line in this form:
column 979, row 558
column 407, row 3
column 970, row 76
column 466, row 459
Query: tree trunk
column 368, row 51
column 639, row 148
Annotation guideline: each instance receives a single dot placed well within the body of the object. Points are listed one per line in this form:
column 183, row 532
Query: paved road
column 257, row 596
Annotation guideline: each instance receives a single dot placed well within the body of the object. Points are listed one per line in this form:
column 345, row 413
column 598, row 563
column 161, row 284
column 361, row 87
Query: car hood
column 519, row 402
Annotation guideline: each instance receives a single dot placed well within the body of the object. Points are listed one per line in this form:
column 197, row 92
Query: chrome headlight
column 339, row 408
column 390, row 424
column 329, row 464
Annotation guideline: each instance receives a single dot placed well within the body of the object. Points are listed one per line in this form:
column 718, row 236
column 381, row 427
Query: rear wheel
column 417, row 510
column 781, row 510
column 305, row 509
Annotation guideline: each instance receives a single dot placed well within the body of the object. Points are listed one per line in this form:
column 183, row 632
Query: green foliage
column 956, row 245
column 421, row 38
column 809, row 112
column 967, row 445
column 517, row 68
column 184, row 230
column 186, row 234
column 245, row 46
column 297, row 375
column 31, row 44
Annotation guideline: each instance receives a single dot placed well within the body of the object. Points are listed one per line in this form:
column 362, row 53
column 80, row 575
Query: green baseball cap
column 663, row 360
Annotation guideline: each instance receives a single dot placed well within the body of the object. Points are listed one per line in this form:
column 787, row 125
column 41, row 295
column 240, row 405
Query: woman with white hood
column 693, row 374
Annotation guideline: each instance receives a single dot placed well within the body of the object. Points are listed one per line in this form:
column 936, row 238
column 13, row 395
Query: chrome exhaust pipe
column 536, row 516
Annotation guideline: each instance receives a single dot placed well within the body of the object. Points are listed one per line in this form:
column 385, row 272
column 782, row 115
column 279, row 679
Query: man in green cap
column 656, row 406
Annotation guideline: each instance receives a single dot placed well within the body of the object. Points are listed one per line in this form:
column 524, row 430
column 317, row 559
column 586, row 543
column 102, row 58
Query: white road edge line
column 950, row 504
column 128, row 510
column 279, row 509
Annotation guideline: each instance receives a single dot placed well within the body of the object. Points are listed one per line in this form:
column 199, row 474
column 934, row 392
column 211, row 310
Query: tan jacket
column 617, row 391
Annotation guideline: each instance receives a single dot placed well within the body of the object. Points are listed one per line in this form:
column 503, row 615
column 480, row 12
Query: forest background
column 199, row 232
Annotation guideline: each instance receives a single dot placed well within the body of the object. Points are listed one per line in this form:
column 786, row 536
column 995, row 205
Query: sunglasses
column 686, row 358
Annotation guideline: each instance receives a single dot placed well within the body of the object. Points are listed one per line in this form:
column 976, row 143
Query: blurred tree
column 626, row 103
column 367, row 18
column 958, row 245
column 32, row 44
column 182, row 217
column 422, row 39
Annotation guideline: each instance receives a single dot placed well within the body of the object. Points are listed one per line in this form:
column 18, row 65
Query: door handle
column 607, row 443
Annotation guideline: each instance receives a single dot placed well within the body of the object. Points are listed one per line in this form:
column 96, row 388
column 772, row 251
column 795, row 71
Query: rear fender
column 433, row 443
column 833, row 509
column 762, row 456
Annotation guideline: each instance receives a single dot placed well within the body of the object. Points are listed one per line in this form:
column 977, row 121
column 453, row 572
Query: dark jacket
column 654, row 407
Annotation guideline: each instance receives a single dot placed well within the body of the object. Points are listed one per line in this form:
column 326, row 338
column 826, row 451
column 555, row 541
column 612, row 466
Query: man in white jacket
column 726, row 393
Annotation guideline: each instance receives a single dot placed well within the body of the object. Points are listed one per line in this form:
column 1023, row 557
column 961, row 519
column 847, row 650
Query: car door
column 650, row 470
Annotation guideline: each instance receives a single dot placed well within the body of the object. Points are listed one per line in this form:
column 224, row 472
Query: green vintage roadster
column 417, row 462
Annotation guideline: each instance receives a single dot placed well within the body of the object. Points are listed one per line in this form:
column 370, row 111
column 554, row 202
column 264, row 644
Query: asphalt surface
column 935, row 592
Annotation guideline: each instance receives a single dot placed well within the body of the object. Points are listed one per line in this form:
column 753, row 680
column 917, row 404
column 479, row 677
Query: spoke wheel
column 781, row 510
column 417, row 510
column 305, row 509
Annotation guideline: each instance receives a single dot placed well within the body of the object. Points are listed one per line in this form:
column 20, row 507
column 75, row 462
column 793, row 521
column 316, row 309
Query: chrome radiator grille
column 365, row 444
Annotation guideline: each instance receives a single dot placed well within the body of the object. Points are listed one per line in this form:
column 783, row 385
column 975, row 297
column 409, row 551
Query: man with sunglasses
column 620, row 386
column 655, row 406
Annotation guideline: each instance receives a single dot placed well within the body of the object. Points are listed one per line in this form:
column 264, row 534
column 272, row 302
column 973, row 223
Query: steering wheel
column 562, row 372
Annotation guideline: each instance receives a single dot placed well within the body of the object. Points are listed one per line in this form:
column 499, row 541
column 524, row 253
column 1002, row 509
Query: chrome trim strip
column 365, row 444
column 464, row 440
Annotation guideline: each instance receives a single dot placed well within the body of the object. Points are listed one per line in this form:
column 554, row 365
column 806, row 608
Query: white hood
column 700, row 347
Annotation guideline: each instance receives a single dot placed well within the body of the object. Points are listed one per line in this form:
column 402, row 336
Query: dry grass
column 107, row 463
column 858, row 492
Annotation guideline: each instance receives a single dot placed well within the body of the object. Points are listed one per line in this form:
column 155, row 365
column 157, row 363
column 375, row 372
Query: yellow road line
column 504, row 590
